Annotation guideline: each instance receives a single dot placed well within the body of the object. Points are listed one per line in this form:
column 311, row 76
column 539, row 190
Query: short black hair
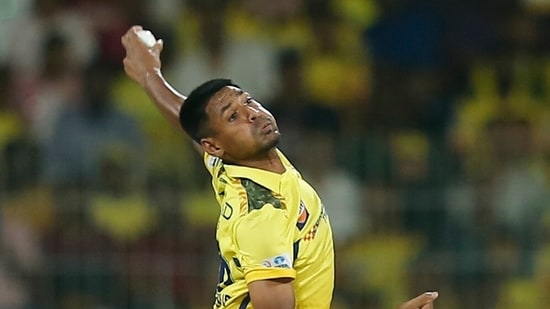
column 192, row 116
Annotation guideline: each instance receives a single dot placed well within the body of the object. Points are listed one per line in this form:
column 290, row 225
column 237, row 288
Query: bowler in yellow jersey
column 271, row 226
column 274, row 236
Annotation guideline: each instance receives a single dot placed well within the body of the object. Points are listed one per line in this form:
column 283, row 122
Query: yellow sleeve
column 264, row 244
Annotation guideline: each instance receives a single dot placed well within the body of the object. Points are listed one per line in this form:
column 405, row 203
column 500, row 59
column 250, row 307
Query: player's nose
column 253, row 113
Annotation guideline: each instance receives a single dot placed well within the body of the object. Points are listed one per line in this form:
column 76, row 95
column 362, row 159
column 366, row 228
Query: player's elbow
column 272, row 294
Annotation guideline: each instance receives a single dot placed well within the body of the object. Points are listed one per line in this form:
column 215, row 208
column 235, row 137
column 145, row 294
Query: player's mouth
column 267, row 128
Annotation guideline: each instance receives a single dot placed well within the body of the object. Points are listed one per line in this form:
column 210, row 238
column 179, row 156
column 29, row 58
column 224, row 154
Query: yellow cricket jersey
column 270, row 226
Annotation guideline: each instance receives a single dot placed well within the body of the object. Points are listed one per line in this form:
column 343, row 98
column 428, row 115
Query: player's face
column 242, row 128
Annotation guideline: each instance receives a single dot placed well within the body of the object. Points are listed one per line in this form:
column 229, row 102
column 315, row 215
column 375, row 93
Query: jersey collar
column 267, row 179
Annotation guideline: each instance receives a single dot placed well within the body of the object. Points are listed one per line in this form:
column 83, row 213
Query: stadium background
column 424, row 126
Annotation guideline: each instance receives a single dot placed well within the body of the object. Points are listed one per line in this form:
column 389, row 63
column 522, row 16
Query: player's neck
column 270, row 162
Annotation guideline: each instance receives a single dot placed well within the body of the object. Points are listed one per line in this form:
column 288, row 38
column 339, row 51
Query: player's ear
column 210, row 146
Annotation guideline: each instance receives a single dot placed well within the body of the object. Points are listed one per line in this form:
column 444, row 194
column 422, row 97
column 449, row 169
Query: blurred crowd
column 423, row 125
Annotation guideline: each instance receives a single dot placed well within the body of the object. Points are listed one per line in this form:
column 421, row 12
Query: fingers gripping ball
column 147, row 38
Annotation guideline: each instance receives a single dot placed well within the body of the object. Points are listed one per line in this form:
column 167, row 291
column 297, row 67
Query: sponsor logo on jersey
column 279, row 261
column 303, row 215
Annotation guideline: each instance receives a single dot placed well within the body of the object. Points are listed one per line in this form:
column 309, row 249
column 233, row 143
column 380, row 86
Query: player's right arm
column 264, row 248
column 272, row 294
column 143, row 65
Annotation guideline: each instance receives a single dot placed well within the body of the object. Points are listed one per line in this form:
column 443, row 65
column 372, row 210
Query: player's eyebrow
column 224, row 108
column 239, row 92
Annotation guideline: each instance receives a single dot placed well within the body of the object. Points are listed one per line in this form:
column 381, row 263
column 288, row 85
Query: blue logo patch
column 279, row 261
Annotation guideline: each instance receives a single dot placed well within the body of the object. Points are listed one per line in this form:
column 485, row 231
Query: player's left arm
column 272, row 293
column 264, row 241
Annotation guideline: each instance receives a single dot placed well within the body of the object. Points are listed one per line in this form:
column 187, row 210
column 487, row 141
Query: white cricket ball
column 147, row 38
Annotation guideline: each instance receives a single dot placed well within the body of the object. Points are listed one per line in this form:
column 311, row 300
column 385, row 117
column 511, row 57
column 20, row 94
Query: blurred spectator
column 542, row 142
column 81, row 268
column 413, row 87
column 377, row 265
column 419, row 203
column 118, row 207
column 20, row 261
column 336, row 71
column 165, row 12
column 296, row 112
column 42, row 97
column 248, row 61
column 11, row 125
column 26, row 214
column 110, row 19
column 338, row 189
column 359, row 13
column 494, row 216
column 272, row 10
column 12, row 12
column 470, row 32
column 542, row 260
column 50, row 16
column 23, row 195
column 120, row 211
column 283, row 22
column 27, row 197
column 168, row 266
column 87, row 131
column 407, row 35
column 498, row 87
column 520, row 293
column 519, row 189
column 374, row 267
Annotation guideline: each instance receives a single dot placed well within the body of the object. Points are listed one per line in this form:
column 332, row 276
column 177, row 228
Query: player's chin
column 271, row 141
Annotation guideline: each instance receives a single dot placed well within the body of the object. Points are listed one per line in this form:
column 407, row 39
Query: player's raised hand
column 423, row 301
column 140, row 59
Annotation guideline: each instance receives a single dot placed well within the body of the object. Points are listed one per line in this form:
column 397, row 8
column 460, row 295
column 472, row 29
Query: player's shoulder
column 257, row 196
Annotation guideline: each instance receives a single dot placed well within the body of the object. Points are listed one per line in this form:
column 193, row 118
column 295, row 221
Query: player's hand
column 423, row 301
column 140, row 60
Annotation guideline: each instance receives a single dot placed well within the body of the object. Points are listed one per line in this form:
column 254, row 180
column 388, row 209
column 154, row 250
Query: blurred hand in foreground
column 423, row 301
